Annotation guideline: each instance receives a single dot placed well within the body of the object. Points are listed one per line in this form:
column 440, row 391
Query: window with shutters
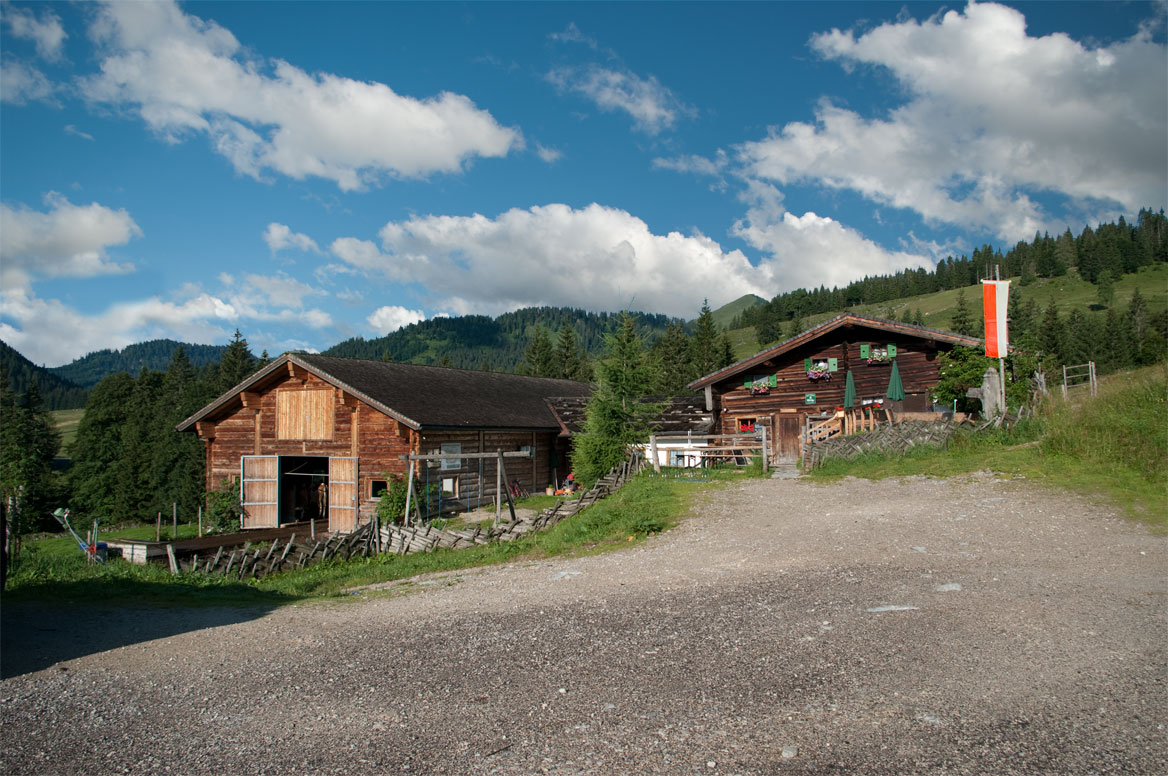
column 304, row 415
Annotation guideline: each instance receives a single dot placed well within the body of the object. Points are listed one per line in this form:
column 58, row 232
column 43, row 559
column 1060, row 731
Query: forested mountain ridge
column 154, row 355
column 481, row 342
column 56, row 392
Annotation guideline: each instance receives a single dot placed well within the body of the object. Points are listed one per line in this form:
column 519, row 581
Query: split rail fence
column 372, row 539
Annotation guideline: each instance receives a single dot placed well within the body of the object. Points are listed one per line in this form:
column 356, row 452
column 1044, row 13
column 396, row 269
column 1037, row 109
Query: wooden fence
column 371, row 539
column 897, row 437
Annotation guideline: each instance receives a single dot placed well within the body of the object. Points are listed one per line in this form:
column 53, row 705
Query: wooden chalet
column 313, row 436
column 804, row 378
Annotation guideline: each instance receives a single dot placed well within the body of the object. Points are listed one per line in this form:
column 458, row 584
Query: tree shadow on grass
column 42, row 625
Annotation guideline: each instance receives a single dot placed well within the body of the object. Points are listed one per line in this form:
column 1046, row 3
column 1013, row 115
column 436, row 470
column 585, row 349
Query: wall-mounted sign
column 808, row 398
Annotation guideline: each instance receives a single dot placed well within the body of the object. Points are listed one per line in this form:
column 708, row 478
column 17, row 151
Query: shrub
column 224, row 508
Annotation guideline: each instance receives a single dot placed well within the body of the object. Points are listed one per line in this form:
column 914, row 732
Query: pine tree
column 133, row 498
column 1051, row 338
column 675, row 364
column 962, row 321
column 98, row 448
column 795, row 327
column 617, row 415
column 568, row 360
column 539, row 358
column 28, row 487
column 1105, row 288
column 705, row 342
column 727, row 352
column 237, row 363
column 918, row 318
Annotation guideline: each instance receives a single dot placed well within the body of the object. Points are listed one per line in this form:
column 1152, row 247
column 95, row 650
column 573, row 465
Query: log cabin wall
column 348, row 427
column 783, row 409
column 535, row 473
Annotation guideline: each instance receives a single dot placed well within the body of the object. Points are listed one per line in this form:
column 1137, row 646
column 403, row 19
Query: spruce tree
column 727, row 352
column 29, row 442
column 617, row 415
column 706, row 355
column 568, row 360
column 962, row 321
column 237, row 363
column 674, row 359
column 539, row 358
column 1051, row 338
column 98, row 448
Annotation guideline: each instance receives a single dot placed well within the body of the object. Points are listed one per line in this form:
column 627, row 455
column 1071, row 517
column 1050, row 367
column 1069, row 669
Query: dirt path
column 919, row 626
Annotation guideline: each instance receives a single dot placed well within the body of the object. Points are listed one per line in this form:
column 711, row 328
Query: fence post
column 653, row 453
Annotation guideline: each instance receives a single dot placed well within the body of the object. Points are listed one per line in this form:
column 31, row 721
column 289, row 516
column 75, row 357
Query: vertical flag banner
column 994, row 294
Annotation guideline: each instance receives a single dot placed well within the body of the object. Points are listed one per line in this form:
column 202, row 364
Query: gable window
column 304, row 414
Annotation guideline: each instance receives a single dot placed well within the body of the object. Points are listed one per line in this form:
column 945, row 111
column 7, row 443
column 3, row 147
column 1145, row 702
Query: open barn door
column 342, row 504
column 259, row 491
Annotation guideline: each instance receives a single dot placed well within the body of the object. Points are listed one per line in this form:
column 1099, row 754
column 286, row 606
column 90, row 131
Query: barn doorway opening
column 304, row 486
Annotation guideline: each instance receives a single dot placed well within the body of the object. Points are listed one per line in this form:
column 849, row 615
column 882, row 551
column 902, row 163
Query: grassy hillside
column 1113, row 447
column 66, row 423
column 725, row 314
column 1070, row 292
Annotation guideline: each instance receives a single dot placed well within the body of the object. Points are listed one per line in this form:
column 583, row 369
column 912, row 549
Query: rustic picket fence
column 367, row 540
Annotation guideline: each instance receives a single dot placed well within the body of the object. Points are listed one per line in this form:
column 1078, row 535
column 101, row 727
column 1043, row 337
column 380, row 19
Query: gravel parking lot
column 919, row 626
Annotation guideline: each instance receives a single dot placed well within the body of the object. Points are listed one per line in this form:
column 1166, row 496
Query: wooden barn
column 312, row 436
column 784, row 385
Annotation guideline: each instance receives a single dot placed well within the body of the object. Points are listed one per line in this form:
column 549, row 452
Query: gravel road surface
column 917, row 626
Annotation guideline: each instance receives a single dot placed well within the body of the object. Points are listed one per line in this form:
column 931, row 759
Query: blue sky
column 308, row 172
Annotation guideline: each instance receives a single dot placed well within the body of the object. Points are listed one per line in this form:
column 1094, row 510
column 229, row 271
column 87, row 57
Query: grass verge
column 1114, row 446
column 54, row 570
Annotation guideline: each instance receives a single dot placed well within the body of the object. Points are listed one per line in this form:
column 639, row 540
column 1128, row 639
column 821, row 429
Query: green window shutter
column 806, row 364
column 891, row 349
column 864, row 351
column 747, row 383
column 833, row 365
column 774, row 381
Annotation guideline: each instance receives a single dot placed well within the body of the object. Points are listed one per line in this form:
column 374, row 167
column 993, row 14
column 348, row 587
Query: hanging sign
column 995, row 294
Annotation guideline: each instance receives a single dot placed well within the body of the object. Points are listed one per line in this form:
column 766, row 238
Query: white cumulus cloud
column 993, row 117
column 20, row 84
column 183, row 74
column 653, row 106
column 67, row 240
column 390, row 318
column 44, row 31
column 278, row 237
column 595, row 257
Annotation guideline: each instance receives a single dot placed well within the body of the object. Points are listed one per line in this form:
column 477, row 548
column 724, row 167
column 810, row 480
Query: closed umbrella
column 895, row 386
column 850, row 391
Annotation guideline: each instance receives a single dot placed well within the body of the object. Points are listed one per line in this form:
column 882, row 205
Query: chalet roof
column 419, row 396
column 838, row 322
column 682, row 414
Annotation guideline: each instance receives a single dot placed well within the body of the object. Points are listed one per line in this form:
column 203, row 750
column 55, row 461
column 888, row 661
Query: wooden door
column 786, row 442
column 259, row 491
column 342, row 494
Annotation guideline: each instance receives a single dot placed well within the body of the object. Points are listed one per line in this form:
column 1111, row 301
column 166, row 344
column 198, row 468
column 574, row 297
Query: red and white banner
column 995, row 294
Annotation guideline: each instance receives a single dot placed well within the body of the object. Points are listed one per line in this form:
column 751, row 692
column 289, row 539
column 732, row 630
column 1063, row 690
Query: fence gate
column 259, row 491
column 342, row 506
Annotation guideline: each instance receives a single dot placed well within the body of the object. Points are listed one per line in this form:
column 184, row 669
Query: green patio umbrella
column 895, row 386
column 850, row 391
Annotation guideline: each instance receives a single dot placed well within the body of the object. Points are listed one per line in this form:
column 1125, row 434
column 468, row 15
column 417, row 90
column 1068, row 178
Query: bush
column 391, row 507
column 224, row 508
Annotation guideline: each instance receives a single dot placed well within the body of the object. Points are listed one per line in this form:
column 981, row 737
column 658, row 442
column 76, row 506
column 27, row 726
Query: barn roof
column 420, row 396
column 681, row 415
column 845, row 320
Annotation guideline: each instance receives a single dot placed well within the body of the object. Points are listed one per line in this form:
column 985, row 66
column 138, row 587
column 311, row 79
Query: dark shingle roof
column 425, row 396
column 682, row 414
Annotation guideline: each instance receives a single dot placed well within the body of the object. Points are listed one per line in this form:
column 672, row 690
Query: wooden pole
column 653, row 453
column 764, row 450
column 498, row 486
column 507, row 488
column 409, row 490
column 158, row 528
column 174, row 518
column 171, row 558
column 200, row 521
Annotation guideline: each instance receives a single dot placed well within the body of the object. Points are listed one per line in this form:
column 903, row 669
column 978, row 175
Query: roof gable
column 421, row 396
column 838, row 322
